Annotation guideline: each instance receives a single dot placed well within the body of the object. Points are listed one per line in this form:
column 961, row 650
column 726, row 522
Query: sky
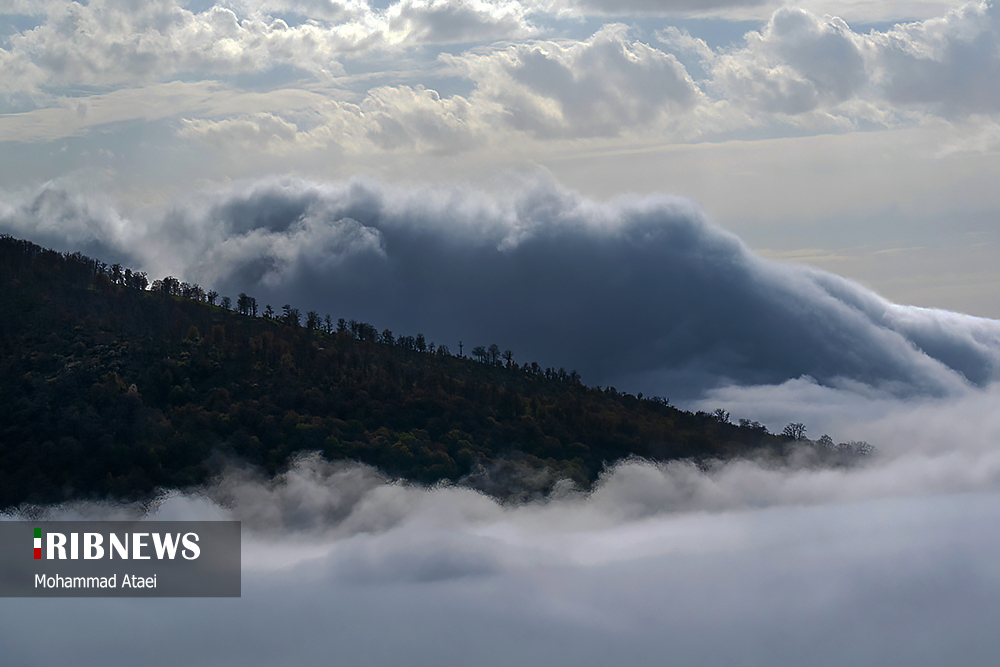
column 787, row 210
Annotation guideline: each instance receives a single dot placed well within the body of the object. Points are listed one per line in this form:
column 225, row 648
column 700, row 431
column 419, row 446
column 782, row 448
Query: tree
column 795, row 431
column 479, row 353
column 460, row 353
column 387, row 337
column 721, row 416
column 168, row 285
column 863, row 448
column 290, row 315
column 328, row 324
column 212, row 296
column 493, row 355
column 137, row 280
column 312, row 320
column 421, row 343
column 243, row 304
column 192, row 291
column 227, row 303
column 508, row 357
column 269, row 312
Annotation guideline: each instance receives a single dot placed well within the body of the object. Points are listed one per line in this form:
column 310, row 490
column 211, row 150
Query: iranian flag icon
column 38, row 543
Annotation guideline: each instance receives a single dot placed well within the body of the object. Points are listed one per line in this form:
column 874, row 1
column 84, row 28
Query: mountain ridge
column 116, row 390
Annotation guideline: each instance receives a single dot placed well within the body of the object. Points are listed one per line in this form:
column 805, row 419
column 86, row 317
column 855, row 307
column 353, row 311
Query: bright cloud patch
column 599, row 87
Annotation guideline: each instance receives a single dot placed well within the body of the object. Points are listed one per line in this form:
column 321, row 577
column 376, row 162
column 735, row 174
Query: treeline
column 290, row 316
column 113, row 390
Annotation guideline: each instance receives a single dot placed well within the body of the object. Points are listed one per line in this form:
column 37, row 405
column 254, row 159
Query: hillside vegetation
column 113, row 387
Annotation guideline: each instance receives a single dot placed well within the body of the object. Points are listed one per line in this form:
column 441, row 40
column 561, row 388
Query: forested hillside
column 113, row 387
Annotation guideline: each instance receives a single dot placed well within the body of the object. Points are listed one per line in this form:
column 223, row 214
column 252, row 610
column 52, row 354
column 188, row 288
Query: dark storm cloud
column 642, row 293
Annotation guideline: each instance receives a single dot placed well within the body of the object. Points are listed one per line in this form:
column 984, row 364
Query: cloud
column 458, row 21
column 598, row 87
column 795, row 64
column 500, row 84
column 260, row 131
column 643, row 293
column 800, row 63
column 798, row 71
column 116, row 42
column 606, row 86
column 648, row 7
column 944, row 63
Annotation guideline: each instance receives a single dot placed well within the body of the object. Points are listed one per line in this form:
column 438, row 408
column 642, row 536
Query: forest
column 114, row 387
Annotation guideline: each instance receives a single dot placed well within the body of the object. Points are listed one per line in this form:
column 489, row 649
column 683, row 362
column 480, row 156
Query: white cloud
column 260, row 131
column 605, row 86
column 457, row 21
column 795, row 64
column 800, row 63
column 115, row 42
column 649, row 7
column 602, row 86
column 799, row 70
column 947, row 64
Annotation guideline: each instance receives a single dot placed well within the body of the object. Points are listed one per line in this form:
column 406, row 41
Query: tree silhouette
column 290, row 316
column 795, row 431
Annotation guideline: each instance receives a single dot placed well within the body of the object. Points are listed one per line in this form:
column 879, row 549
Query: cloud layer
column 477, row 74
column 643, row 293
